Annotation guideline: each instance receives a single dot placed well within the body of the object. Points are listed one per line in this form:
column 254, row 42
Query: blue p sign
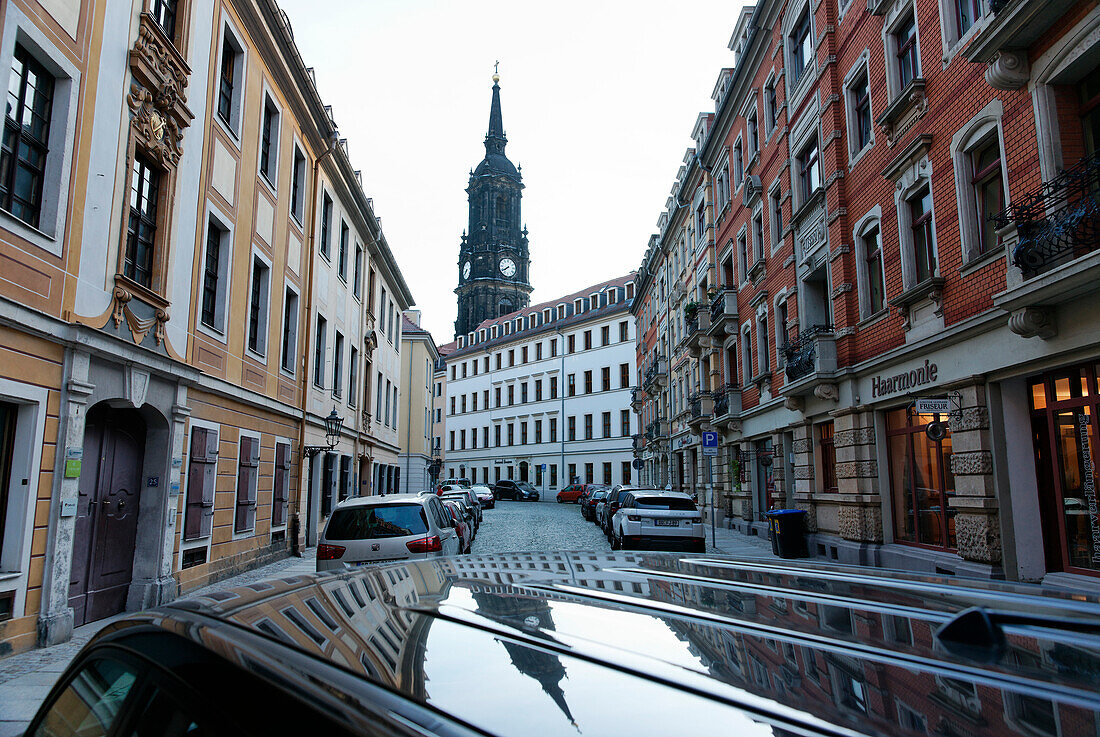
column 710, row 440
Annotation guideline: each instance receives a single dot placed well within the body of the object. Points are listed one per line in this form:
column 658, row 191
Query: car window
column 90, row 705
column 364, row 523
column 671, row 503
column 163, row 716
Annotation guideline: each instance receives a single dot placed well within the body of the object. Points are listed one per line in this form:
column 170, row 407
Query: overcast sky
column 599, row 99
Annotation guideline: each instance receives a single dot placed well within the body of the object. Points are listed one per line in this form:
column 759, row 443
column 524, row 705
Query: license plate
column 667, row 522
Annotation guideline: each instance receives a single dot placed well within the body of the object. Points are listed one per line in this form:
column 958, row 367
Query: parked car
column 485, row 496
column 515, row 490
column 588, row 504
column 467, row 510
column 470, row 495
column 574, row 492
column 811, row 649
column 458, row 517
column 371, row 529
column 667, row 520
column 610, row 504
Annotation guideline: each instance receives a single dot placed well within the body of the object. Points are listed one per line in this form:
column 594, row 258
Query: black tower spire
column 493, row 261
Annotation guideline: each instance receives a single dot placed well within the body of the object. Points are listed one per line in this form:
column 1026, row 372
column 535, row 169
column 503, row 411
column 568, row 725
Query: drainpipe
column 564, row 470
column 311, row 534
column 408, row 422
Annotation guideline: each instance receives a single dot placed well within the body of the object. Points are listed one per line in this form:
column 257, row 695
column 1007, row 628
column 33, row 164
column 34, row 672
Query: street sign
column 542, row 466
column 639, row 463
column 933, row 405
column 710, row 443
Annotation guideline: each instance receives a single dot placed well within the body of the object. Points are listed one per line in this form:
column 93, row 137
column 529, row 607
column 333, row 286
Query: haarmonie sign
column 904, row 381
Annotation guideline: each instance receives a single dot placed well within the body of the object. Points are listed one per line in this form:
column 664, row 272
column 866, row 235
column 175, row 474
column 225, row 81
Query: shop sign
column 933, row 405
column 1088, row 484
column 904, row 381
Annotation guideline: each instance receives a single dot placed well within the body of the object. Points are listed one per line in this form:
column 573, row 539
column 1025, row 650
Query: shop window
column 921, row 482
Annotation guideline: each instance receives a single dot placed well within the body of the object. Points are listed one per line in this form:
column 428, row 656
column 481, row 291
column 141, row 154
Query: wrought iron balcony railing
column 721, row 402
column 1058, row 222
column 801, row 353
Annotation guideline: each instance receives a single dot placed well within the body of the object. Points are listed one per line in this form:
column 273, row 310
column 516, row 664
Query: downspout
column 408, row 421
column 311, row 536
column 564, row 470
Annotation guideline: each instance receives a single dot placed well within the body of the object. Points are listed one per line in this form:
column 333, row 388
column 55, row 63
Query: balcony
column 656, row 429
column 810, row 360
column 701, row 406
column 723, row 313
column 727, row 405
column 697, row 326
column 1003, row 43
column 638, row 442
column 637, row 399
column 656, row 375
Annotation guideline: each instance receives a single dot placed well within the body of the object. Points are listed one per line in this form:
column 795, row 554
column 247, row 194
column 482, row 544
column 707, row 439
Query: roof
column 792, row 648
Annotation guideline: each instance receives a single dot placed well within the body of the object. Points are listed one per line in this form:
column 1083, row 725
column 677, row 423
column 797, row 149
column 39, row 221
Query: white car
column 374, row 529
column 659, row 519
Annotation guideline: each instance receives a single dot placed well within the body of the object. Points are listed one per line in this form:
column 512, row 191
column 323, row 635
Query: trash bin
column 788, row 527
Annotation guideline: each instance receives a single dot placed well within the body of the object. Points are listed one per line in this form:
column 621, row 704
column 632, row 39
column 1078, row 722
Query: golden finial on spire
column 496, row 72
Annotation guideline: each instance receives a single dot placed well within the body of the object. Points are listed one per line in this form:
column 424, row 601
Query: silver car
column 470, row 511
column 374, row 529
column 470, row 496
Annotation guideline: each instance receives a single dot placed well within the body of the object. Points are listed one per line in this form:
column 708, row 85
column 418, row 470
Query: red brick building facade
column 894, row 200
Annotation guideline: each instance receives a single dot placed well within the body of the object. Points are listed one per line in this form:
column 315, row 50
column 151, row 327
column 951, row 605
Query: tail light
column 697, row 518
column 430, row 544
column 634, row 518
column 330, row 552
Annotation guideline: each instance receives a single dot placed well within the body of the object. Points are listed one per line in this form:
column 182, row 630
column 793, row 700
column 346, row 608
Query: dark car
column 589, row 502
column 612, row 502
column 687, row 643
column 515, row 490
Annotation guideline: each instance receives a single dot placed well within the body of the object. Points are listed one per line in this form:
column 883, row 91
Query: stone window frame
column 896, row 14
column 872, row 218
column 861, row 68
column 746, row 348
column 806, row 127
column 909, row 180
column 780, row 299
column 737, row 154
column 797, row 89
column 953, row 41
column 771, row 111
column 268, row 99
column 742, row 255
column 759, row 249
column 228, row 30
column 775, row 199
column 227, row 225
column 253, row 481
column 260, row 353
column 977, row 132
column 762, row 319
column 50, row 233
column 289, row 286
column 749, row 111
column 723, row 192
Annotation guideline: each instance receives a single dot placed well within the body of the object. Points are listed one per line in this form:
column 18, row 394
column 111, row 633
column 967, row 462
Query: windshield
column 671, row 503
column 364, row 523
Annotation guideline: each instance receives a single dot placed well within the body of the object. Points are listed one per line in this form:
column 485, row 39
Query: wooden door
column 107, row 513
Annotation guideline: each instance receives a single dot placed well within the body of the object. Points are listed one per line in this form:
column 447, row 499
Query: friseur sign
column 905, row 380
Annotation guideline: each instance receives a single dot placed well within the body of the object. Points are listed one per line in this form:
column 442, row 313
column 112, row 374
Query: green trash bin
column 788, row 528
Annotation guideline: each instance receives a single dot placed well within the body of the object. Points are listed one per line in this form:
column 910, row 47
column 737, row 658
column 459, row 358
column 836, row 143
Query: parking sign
column 710, row 443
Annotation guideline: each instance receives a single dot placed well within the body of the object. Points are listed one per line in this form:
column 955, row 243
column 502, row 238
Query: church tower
column 493, row 260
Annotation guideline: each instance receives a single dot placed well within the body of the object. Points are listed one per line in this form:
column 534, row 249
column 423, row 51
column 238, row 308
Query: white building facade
column 543, row 394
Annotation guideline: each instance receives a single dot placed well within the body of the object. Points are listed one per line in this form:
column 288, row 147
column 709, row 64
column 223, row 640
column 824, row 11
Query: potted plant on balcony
column 690, row 309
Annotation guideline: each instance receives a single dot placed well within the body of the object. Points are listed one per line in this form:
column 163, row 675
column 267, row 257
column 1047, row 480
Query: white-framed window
column 857, row 104
column 353, row 377
column 762, row 339
column 758, row 235
column 901, row 41
column 743, row 254
column 259, row 288
column 320, row 352
column 228, row 100
column 325, row 224
column 721, row 186
column 807, row 170
column 342, row 254
column 959, row 21
column 771, row 106
column 870, row 266
column 578, row 306
column 746, row 354
column 800, row 46
column 216, row 258
column 981, row 183
column 738, row 164
column 338, row 365
column 357, row 284
column 298, row 184
column 775, row 212
column 546, row 315
column 36, row 161
column 289, row 345
column 752, row 132
column 269, row 142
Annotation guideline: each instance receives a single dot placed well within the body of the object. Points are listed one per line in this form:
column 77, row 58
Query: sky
column 599, row 99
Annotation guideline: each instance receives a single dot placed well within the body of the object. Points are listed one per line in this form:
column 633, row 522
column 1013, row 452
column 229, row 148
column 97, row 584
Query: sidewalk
column 25, row 679
column 731, row 542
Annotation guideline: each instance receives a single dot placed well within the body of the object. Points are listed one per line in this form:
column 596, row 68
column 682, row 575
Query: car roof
column 379, row 499
column 659, row 492
column 728, row 640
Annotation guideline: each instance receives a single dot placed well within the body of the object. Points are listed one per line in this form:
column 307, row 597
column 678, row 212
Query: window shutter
column 210, row 473
column 253, row 482
column 280, row 488
column 247, row 461
column 196, row 480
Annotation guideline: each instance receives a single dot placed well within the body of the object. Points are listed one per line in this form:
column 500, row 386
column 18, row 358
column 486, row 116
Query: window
column 587, row 382
column 553, row 347
column 523, row 355
column 214, row 276
column 572, row 428
column 605, row 378
column 451, row 441
column 908, row 55
column 827, row 454
column 319, row 354
column 967, row 13
column 538, row 390
column 511, row 395
column 353, row 377
column 771, row 111
column 553, row 387
column 988, row 188
column 920, row 219
column 625, row 472
column 624, row 423
column 141, row 227
column 553, row 429
column 801, row 44
column 326, row 226
column 511, row 434
column 722, row 186
column 538, row 351
column 290, row 330
column 588, row 427
column 860, row 130
column 342, row 260
column 248, row 473
column 164, row 13
column 743, row 255
column 496, row 435
column 775, row 200
column 523, row 393
column 921, row 480
column 571, row 343
column 758, row 235
column 298, row 184
column 624, row 331
column 26, row 138
column 589, row 476
column 605, row 335
column 746, row 350
column 230, row 81
column 809, row 171
column 738, row 164
column 511, row 358
column 496, row 396
column 752, row 132
column 588, row 340
column 269, row 141
column 258, row 306
column 606, row 424
column 338, row 366
column 874, row 273
column 607, row 473
column 358, row 282
column 624, row 375
column 523, row 433
column 762, row 338
column 572, row 379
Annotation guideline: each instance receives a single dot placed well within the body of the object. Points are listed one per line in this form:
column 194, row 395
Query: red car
column 461, row 527
column 574, row 492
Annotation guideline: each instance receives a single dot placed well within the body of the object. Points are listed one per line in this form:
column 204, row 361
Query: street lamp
column 334, row 425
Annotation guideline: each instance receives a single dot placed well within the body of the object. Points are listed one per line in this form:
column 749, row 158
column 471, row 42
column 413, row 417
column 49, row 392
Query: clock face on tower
column 507, row 267
column 466, row 270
